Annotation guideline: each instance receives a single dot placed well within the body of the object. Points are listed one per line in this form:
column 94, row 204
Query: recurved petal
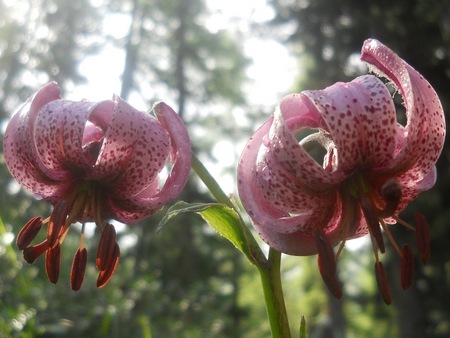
column 59, row 137
column 122, row 133
column 361, row 118
column 277, row 228
column 285, row 147
column 18, row 146
column 149, row 156
column 425, row 129
column 281, row 188
column 180, row 154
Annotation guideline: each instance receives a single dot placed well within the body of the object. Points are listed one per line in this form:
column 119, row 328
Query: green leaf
column 226, row 221
column 303, row 327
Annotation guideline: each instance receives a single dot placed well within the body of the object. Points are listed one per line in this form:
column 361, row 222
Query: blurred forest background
column 187, row 281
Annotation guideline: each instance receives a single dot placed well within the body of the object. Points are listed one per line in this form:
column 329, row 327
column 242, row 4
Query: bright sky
column 272, row 72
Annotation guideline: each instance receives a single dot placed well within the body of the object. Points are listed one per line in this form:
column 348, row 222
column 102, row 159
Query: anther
column 31, row 253
column 327, row 263
column 330, row 280
column 105, row 275
column 53, row 263
column 106, row 247
column 325, row 251
column 407, row 267
column 29, row 232
column 373, row 222
column 422, row 237
column 392, row 193
column 382, row 283
column 78, row 269
column 56, row 223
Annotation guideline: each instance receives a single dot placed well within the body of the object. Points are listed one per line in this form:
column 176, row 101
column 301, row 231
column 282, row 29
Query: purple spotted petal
column 52, row 146
column 180, row 155
column 19, row 148
column 425, row 128
column 361, row 118
column 149, row 154
column 287, row 194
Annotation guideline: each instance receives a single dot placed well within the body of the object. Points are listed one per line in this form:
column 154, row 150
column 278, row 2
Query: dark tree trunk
column 131, row 52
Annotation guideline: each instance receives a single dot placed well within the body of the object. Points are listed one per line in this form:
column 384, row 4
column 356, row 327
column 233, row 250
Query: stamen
column 389, row 236
column 56, row 223
column 402, row 222
column 325, row 251
column 53, row 263
column 422, row 237
column 350, row 220
column 78, row 269
column 83, row 224
column 341, row 247
column 330, row 280
column 29, row 232
column 327, row 263
column 382, row 283
column 105, row 275
column 106, row 247
column 31, row 253
column 96, row 208
column 374, row 247
column 77, row 206
column 407, row 267
column 372, row 221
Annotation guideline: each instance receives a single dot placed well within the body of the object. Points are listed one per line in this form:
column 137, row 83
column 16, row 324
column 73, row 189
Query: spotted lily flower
column 373, row 166
column 94, row 161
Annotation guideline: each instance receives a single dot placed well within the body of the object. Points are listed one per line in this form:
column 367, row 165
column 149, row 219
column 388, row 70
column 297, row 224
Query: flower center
column 84, row 203
column 358, row 196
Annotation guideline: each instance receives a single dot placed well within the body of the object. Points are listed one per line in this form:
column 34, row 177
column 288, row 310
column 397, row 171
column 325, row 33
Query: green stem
column 269, row 270
column 273, row 294
column 211, row 183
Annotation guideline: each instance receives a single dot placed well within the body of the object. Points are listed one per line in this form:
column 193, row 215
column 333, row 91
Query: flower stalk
column 269, row 269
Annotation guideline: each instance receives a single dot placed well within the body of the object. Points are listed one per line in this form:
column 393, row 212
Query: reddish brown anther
column 382, row 282
column 56, row 223
column 78, row 269
column 106, row 247
column 31, row 253
column 28, row 232
column 105, row 275
column 330, row 280
column 392, row 193
column 53, row 263
column 373, row 223
column 407, row 266
column 325, row 252
column 422, row 237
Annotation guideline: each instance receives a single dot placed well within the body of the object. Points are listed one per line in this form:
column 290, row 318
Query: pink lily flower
column 372, row 169
column 94, row 161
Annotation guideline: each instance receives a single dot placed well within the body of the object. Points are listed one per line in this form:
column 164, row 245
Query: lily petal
column 289, row 153
column 425, row 128
column 277, row 228
column 149, row 156
column 361, row 118
column 180, row 156
column 19, row 148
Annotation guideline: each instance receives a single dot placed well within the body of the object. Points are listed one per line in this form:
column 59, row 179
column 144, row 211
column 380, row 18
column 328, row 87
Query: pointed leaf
column 226, row 221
